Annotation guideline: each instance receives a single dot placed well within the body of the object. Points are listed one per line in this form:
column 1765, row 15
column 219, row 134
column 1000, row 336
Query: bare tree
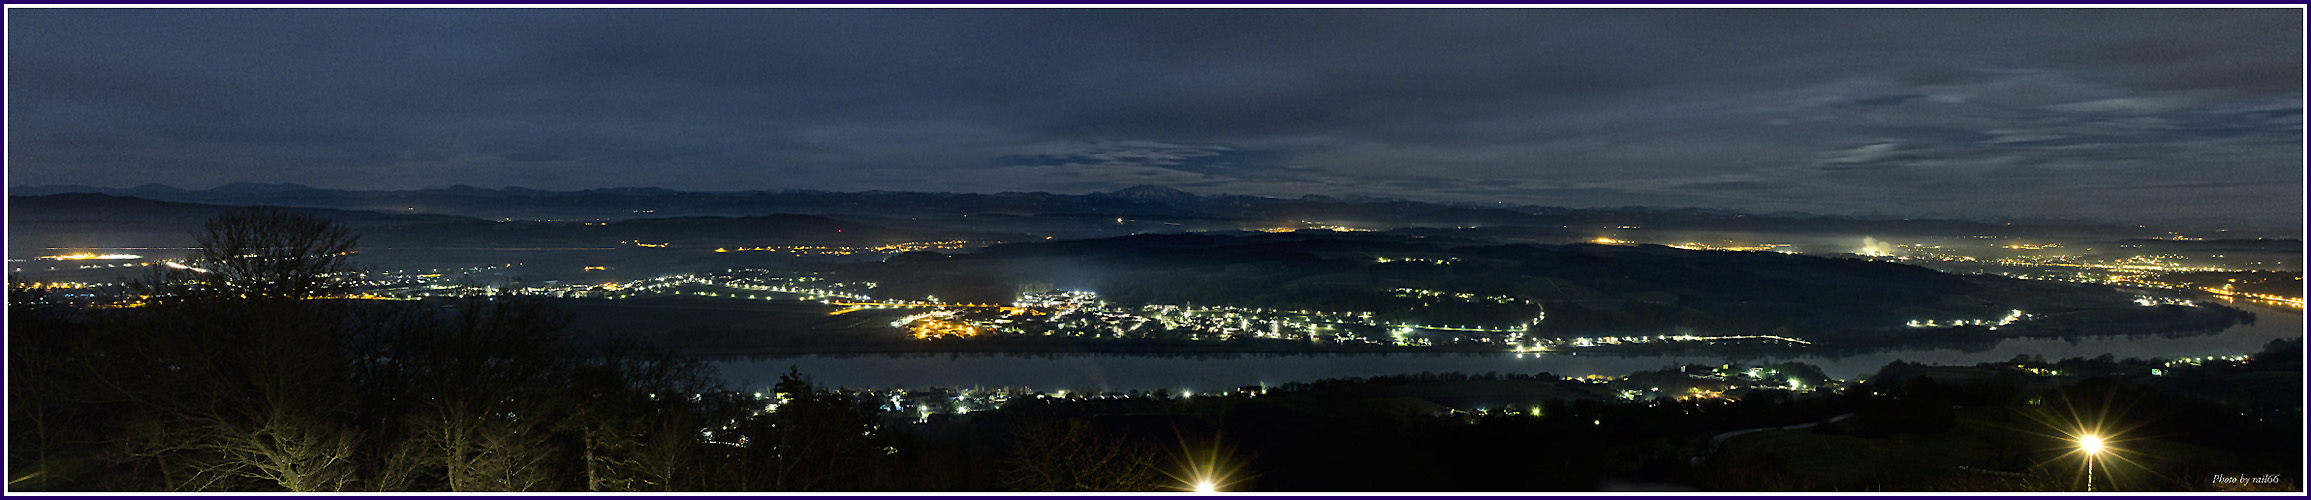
column 233, row 397
column 491, row 373
column 1049, row 455
column 262, row 252
column 629, row 405
column 496, row 452
column 45, row 404
column 234, row 388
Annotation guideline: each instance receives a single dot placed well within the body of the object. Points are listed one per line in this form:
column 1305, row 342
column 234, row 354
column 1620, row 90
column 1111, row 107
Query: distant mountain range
column 1143, row 201
column 104, row 220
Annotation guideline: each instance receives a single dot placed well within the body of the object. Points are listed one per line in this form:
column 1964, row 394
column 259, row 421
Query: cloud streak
column 1987, row 112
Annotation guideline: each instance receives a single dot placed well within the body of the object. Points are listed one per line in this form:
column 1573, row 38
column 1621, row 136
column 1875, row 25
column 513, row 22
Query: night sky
column 2102, row 114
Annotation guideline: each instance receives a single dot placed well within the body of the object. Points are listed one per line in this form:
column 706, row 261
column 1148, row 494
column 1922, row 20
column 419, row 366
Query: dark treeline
column 247, row 374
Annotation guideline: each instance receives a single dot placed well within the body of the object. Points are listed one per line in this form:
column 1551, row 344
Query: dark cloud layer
column 2106, row 114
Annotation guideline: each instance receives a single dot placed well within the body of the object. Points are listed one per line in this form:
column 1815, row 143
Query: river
column 1110, row 372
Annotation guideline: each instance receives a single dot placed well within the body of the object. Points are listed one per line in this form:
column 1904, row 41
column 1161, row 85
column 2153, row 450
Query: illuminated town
column 1155, row 249
column 801, row 250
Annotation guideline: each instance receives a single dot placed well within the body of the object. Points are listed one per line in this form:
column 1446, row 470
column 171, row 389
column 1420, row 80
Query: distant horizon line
column 568, row 190
column 1342, row 198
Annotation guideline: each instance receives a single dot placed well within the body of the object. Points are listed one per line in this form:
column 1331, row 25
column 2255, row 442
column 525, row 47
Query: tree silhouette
column 812, row 441
column 248, row 369
column 47, row 404
column 235, row 382
column 262, row 252
column 492, row 372
column 1067, row 455
column 621, row 399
